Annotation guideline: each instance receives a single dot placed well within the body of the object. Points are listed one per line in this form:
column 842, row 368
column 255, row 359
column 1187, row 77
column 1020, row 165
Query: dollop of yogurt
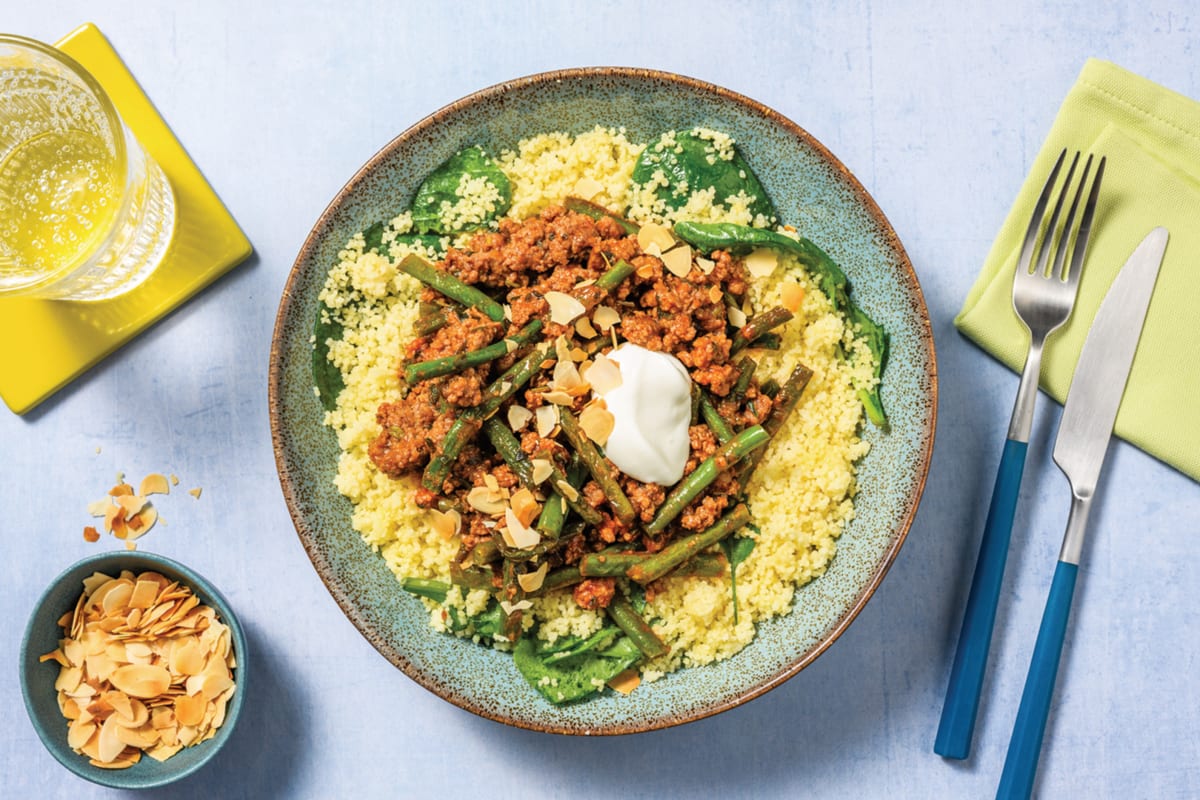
column 651, row 410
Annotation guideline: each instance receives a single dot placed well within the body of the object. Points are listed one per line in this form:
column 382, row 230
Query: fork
column 1043, row 296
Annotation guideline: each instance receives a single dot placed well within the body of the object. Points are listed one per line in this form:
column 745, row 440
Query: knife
column 1083, row 435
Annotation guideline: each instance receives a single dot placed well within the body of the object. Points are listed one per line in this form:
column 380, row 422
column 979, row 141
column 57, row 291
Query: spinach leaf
column 694, row 163
column 438, row 206
column 877, row 342
column 737, row 549
column 598, row 640
column 373, row 241
column 568, row 681
column 326, row 376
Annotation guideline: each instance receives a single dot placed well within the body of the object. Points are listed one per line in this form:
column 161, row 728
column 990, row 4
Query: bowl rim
column 52, row 741
column 275, row 391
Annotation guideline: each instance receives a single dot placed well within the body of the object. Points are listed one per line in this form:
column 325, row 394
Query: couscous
column 476, row 345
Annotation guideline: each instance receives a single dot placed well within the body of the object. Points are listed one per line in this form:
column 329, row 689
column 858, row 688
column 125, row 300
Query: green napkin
column 1151, row 137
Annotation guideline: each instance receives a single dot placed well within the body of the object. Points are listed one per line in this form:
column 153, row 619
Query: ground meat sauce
column 518, row 264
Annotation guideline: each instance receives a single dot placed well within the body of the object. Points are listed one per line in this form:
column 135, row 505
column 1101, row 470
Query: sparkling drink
column 85, row 214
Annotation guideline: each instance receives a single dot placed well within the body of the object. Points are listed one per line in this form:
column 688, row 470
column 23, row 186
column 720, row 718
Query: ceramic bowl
column 37, row 679
column 813, row 191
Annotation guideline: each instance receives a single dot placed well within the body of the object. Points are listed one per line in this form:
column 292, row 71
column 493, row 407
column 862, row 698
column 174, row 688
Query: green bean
column 695, row 414
column 768, row 341
column 682, row 549
column 558, row 579
column 615, row 274
column 606, row 564
column 621, row 611
column 431, row 322
column 461, row 431
column 509, row 448
column 424, row 587
column 746, row 367
column 597, row 211
column 512, row 591
column 451, row 286
column 424, row 370
column 598, row 466
column 513, row 379
column 716, row 423
column 701, row 565
column 472, row 577
column 758, row 325
column 554, row 511
column 770, row 388
column 690, row 487
column 484, row 553
column 781, row 409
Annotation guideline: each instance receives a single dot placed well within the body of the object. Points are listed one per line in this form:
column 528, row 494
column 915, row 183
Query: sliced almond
column 532, row 581
column 189, row 709
column 625, row 682
column 144, row 592
column 605, row 318
column 518, row 534
column 446, row 524
column 603, row 374
column 584, row 328
column 78, row 734
column 654, row 235
column 678, row 260
column 587, row 188
column 597, row 422
column 195, row 492
column 564, row 308
column 559, row 397
column 110, row 745
column 542, row 469
column 187, row 658
column 90, row 534
column 122, row 489
column 518, row 417
column 520, row 605
column 567, row 490
column 792, row 296
column 737, row 317
column 525, row 507
column 566, row 376
column 154, row 483
column 99, row 508
column 141, row 522
column 547, row 419
column 141, row 680
column 761, row 262
column 706, row 265
column 483, row 499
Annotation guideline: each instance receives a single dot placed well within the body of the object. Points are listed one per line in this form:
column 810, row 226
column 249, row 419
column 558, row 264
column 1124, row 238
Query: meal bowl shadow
column 812, row 191
column 42, row 635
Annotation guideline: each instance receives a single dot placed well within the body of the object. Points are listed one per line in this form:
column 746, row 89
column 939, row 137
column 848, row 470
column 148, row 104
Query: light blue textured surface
column 938, row 112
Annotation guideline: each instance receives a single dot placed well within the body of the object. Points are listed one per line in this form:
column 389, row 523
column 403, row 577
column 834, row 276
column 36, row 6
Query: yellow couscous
column 801, row 496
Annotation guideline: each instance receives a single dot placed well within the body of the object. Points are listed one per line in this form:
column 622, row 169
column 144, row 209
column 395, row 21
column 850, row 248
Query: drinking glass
column 85, row 213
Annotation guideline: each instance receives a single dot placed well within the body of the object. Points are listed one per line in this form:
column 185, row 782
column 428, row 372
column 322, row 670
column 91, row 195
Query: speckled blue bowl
column 37, row 679
column 813, row 191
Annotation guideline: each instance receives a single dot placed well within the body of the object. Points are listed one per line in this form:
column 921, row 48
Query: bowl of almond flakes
column 133, row 669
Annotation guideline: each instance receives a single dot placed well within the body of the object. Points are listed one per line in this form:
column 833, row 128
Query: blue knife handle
column 1020, row 767
column 970, row 660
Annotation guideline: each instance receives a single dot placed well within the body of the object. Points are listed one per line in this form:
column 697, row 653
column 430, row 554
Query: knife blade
column 1100, row 376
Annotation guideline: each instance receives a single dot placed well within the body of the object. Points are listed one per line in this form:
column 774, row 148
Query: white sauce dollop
column 651, row 410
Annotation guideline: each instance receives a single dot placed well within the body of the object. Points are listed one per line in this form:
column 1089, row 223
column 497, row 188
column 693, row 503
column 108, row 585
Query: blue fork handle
column 970, row 660
column 1020, row 767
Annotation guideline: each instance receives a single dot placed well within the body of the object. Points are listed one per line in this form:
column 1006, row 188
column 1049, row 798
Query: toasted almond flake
column 54, row 655
column 737, row 317
column 791, row 295
column 578, row 355
column 79, row 733
column 597, row 422
column 653, row 234
column 511, row 345
column 489, row 480
column 187, row 657
column 603, row 374
column 163, row 752
column 122, row 489
column 542, row 469
column 625, row 682
column 584, row 328
column 99, row 508
column 567, row 490
column 525, row 506
column 174, row 479
column 518, row 534
column 605, row 318
column 117, row 598
column 678, row 260
column 510, row 608
column 189, row 709
column 653, row 249
column 109, row 746
column 518, row 417
column 90, row 534
column 706, row 265
column 154, row 483
column 646, row 271
column 761, row 262
column 587, row 188
column 195, row 492
column 562, row 349
column 547, row 419
column 142, row 522
column 532, row 581
column 563, row 307
column 715, row 295
column 559, row 397
column 446, row 524
column 141, row 680
column 588, row 282
column 566, row 376
column 111, row 514
column 507, row 312
column 144, row 592
column 483, row 499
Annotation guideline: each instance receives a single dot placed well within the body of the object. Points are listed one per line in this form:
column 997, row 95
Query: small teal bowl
column 813, row 191
column 37, row 679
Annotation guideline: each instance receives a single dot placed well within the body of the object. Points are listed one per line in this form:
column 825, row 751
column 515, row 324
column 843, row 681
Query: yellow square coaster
column 48, row 343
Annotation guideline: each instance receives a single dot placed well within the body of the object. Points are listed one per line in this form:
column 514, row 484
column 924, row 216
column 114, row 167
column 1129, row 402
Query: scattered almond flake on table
column 144, row 667
column 129, row 515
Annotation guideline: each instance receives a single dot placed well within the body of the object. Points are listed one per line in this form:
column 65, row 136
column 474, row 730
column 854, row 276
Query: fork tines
column 1050, row 233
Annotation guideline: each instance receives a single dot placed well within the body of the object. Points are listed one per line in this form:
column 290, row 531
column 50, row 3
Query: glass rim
column 118, row 130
